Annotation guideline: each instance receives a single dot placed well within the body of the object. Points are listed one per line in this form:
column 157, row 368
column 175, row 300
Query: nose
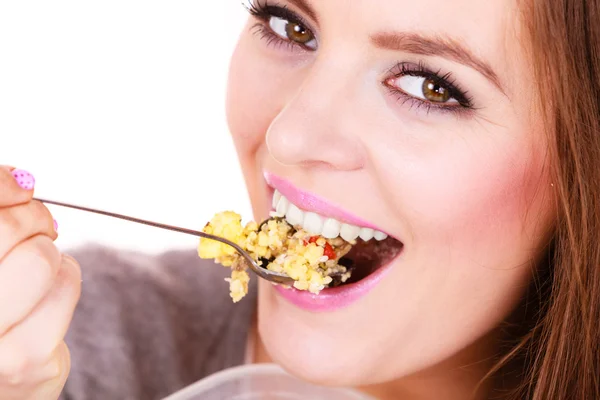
column 316, row 126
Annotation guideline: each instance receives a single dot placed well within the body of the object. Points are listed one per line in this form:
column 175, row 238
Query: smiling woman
column 391, row 122
column 439, row 135
column 451, row 144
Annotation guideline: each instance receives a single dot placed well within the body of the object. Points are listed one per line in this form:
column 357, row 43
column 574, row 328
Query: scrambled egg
column 308, row 260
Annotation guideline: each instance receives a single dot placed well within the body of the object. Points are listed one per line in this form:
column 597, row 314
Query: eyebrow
column 435, row 46
column 305, row 7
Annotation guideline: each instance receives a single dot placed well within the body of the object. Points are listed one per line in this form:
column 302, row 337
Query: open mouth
column 367, row 257
column 361, row 250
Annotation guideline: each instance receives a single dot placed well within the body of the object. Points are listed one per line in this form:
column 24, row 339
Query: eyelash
column 465, row 102
column 264, row 10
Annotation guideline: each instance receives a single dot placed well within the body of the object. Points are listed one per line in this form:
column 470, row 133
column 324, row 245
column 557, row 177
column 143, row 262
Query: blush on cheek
column 481, row 205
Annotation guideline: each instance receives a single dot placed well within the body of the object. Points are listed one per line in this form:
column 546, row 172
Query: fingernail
column 55, row 225
column 24, row 179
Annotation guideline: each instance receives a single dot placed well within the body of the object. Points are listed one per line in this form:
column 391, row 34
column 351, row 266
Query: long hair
column 560, row 352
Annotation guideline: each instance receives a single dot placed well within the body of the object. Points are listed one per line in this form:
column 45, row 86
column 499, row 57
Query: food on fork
column 317, row 251
column 313, row 262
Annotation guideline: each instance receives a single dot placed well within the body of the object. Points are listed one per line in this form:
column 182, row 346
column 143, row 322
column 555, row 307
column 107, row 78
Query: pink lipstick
column 311, row 202
column 330, row 299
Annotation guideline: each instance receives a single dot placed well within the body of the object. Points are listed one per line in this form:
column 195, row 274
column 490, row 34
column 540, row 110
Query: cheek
column 243, row 93
column 257, row 91
column 251, row 106
column 255, row 94
column 477, row 216
column 486, row 206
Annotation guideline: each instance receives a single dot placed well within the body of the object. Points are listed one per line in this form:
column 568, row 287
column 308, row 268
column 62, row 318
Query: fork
column 261, row 272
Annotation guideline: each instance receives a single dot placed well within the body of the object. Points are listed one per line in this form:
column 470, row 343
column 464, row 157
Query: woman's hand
column 39, row 289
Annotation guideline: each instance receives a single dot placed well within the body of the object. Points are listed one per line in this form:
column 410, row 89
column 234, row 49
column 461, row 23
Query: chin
column 310, row 346
column 313, row 359
column 321, row 372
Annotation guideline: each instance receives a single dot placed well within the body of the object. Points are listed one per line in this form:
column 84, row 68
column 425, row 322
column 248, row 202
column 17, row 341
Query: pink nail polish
column 55, row 225
column 24, row 179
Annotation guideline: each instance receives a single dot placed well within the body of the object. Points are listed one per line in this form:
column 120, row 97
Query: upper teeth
column 316, row 224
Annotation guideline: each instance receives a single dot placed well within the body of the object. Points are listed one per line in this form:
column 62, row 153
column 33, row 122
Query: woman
column 465, row 130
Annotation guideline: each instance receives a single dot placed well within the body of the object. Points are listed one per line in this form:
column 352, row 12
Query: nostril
column 316, row 164
column 311, row 147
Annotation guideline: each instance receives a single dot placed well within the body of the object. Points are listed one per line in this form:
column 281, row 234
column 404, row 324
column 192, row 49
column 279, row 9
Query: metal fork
column 264, row 273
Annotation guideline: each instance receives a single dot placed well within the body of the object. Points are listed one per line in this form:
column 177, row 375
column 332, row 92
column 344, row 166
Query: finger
column 26, row 275
column 21, row 222
column 32, row 342
column 45, row 382
column 58, row 370
column 16, row 186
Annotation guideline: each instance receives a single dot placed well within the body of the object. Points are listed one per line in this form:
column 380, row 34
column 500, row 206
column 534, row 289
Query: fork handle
column 261, row 272
column 127, row 218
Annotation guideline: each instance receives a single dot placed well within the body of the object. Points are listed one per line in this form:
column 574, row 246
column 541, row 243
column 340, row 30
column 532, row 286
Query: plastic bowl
column 260, row 381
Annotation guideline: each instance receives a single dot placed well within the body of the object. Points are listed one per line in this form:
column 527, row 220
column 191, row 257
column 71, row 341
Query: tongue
column 366, row 257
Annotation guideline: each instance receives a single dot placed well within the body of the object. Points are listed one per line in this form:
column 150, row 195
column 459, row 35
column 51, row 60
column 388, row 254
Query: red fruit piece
column 312, row 239
column 329, row 252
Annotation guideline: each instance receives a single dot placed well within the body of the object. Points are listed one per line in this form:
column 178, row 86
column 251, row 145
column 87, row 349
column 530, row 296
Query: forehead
column 473, row 20
column 489, row 28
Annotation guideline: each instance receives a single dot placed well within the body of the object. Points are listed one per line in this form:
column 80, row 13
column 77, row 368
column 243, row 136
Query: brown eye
column 423, row 88
column 298, row 33
column 434, row 92
column 293, row 31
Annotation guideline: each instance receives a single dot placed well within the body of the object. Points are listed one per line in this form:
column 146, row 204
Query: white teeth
column 331, row 228
column 282, row 206
column 294, row 215
column 379, row 235
column 366, row 234
column 313, row 223
column 349, row 232
column 276, row 197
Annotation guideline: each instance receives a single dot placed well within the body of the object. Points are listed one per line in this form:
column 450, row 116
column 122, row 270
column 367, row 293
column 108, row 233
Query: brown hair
column 560, row 352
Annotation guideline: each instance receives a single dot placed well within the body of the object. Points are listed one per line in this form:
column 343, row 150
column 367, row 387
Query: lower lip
column 335, row 298
column 332, row 299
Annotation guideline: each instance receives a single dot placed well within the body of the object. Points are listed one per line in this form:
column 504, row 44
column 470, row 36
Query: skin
column 466, row 193
column 39, row 288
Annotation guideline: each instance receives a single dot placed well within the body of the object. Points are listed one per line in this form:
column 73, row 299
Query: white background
column 119, row 105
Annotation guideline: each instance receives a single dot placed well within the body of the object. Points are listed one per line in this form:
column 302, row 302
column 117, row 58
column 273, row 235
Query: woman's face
column 416, row 119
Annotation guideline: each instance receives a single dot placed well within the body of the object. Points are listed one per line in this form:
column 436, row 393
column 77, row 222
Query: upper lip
column 311, row 202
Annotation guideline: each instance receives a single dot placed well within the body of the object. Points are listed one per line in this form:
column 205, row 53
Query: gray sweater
column 146, row 326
